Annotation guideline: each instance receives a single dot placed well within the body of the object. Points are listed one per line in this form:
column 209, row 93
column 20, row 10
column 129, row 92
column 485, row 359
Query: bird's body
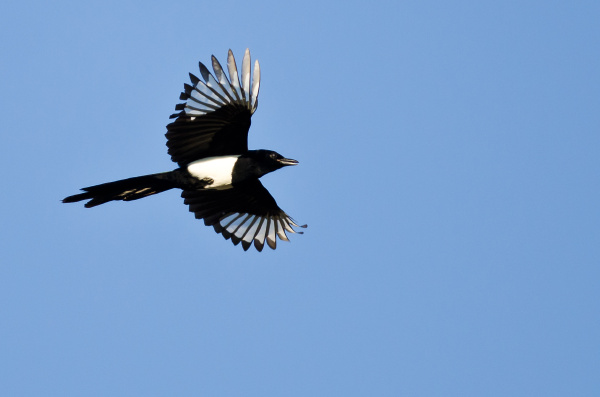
column 219, row 176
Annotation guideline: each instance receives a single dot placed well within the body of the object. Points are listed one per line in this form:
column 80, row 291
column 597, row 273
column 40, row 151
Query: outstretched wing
column 215, row 117
column 245, row 213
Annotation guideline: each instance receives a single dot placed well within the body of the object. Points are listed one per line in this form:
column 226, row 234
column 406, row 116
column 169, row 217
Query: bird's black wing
column 245, row 213
column 215, row 117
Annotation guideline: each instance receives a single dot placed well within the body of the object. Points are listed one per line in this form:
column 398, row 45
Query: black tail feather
column 125, row 189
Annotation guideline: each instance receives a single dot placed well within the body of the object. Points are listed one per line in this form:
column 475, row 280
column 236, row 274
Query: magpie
column 219, row 176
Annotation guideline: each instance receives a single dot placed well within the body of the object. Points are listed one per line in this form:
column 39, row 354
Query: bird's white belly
column 218, row 169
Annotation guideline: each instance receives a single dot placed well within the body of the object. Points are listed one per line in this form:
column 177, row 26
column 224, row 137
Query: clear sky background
column 449, row 176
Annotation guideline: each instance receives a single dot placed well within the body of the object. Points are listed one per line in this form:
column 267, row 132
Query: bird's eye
column 273, row 156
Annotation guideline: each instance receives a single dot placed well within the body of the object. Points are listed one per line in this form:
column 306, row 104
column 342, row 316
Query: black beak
column 287, row 162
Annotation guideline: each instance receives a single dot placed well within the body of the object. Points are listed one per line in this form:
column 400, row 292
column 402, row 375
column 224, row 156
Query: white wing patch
column 216, row 168
column 249, row 228
column 206, row 96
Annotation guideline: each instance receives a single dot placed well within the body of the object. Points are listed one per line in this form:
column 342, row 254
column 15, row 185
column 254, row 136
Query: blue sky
column 448, row 176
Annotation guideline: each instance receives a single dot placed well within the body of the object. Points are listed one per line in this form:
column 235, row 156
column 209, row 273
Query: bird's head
column 278, row 160
column 269, row 161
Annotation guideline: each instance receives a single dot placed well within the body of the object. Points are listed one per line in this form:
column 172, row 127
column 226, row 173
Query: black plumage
column 219, row 176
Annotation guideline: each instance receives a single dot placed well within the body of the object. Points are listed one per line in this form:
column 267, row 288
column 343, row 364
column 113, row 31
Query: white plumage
column 216, row 168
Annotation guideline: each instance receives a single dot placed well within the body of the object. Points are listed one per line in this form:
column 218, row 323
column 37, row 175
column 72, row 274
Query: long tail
column 125, row 189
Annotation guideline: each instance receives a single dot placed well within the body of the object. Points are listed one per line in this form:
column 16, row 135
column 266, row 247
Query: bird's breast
column 218, row 169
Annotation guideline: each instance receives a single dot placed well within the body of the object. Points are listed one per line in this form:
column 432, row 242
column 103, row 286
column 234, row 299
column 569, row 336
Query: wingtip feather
column 258, row 245
column 246, row 245
column 204, row 71
column 194, row 79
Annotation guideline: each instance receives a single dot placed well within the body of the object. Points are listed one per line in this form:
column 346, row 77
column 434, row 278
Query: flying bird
column 219, row 176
